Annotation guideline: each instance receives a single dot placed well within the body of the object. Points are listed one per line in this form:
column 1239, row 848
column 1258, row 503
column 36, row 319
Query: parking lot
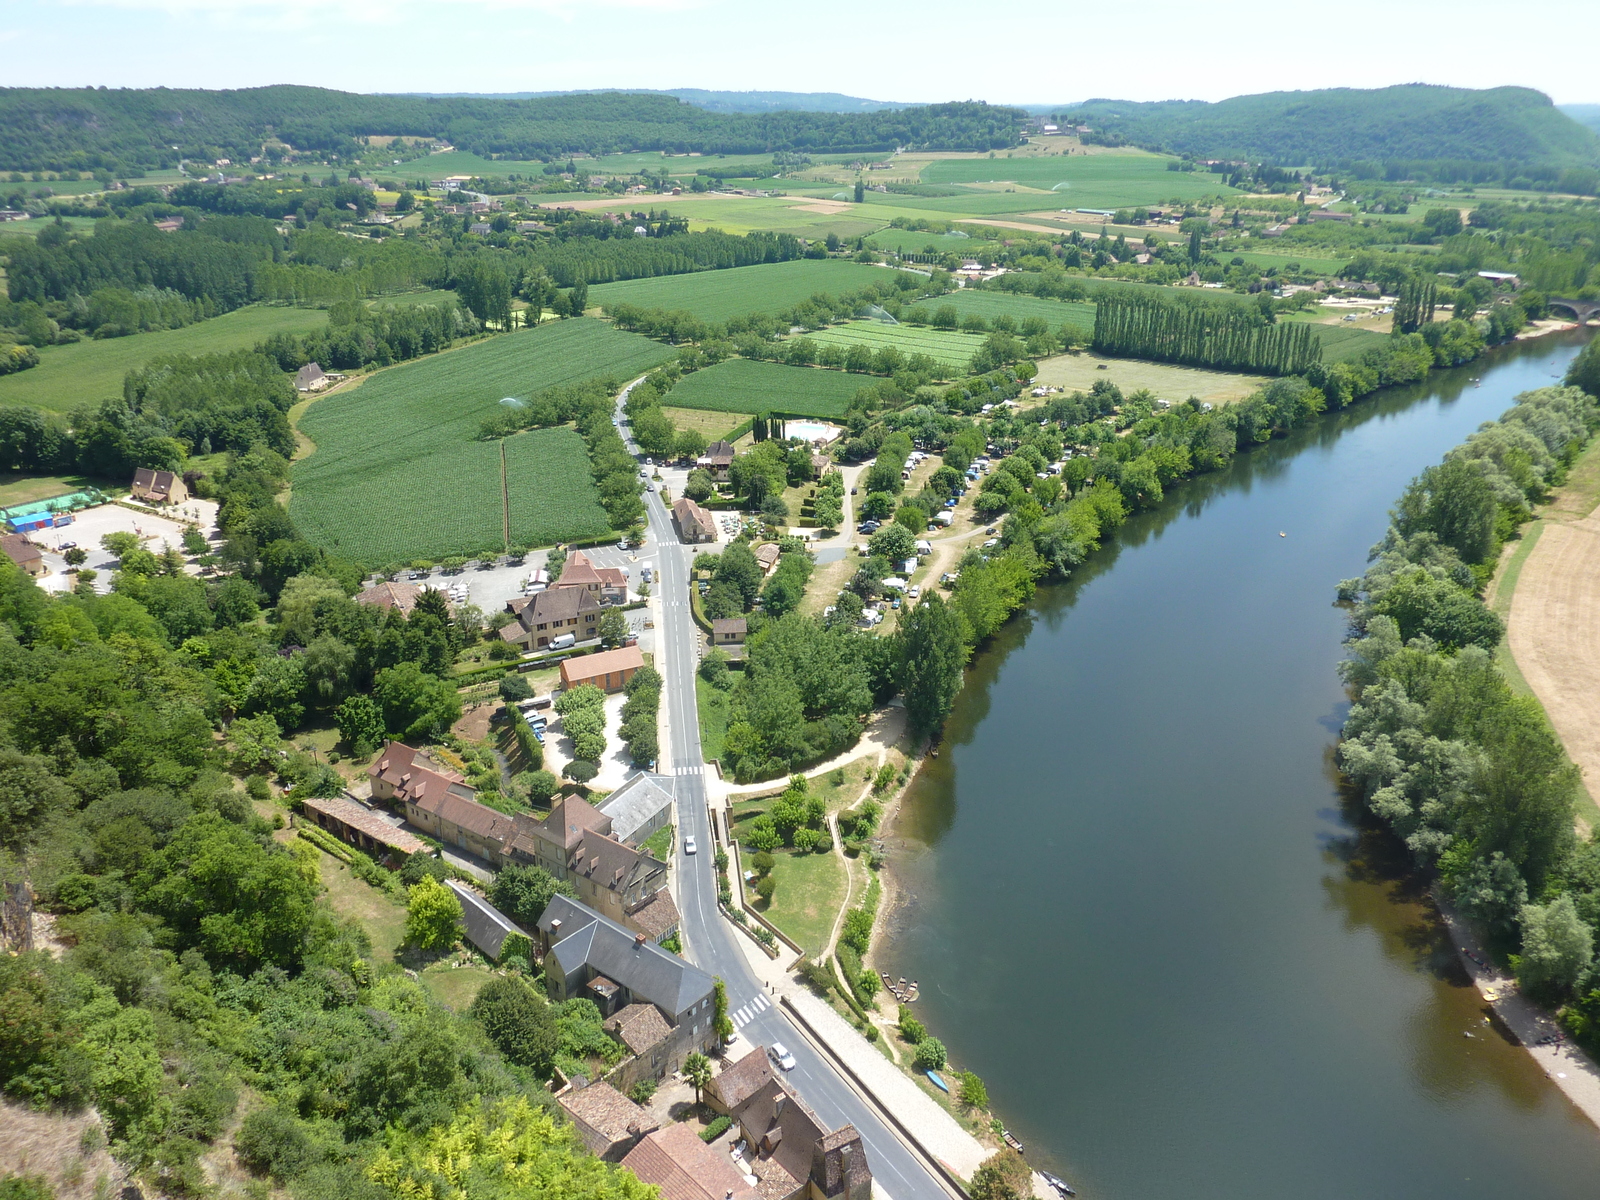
column 89, row 525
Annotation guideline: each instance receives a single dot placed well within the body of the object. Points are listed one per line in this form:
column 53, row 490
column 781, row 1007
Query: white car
column 991, row 543
column 781, row 1056
column 688, row 845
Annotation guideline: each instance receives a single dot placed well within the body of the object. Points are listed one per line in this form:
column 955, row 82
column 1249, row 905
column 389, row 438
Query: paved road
column 709, row 937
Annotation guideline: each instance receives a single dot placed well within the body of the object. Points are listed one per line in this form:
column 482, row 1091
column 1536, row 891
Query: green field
column 742, row 385
column 988, row 305
column 908, row 241
column 737, row 291
column 1308, row 262
column 90, row 371
column 956, row 349
column 1341, row 343
column 396, row 474
column 1078, row 180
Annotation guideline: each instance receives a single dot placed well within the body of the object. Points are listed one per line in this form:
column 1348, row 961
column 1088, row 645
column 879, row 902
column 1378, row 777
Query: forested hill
column 724, row 102
column 1412, row 122
column 58, row 128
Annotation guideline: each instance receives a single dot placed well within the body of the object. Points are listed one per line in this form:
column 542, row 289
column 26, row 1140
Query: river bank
column 1147, row 795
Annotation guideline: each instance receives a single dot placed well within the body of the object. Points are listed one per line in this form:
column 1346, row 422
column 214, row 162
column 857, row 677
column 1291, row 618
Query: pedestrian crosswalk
column 744, row 1015
column 692, row 770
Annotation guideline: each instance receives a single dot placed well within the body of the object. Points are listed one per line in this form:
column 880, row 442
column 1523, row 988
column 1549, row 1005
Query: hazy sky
column 1024, row 51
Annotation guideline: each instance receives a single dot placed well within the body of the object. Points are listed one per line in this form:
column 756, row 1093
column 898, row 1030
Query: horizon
column 1175, row 52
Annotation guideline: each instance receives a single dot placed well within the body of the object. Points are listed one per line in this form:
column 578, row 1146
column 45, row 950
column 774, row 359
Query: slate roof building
column 575, row 843
column 487, row 927
column 717, row 459
column 637, row 809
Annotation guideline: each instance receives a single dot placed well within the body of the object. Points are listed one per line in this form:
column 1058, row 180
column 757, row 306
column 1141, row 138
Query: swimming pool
column 810, row 431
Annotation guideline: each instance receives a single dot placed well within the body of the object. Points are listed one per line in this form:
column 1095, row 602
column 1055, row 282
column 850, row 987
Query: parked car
column 991, row 543
column 914, row 592
column 564, row 641
column 780, row 1055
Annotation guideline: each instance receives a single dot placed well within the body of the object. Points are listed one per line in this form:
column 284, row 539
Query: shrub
column 716, row 1129
column 514, row 688
column 641, row 1092
column 972, row 1093
column 762, row 863
column 519, row 1022
column 273, row 1142
column 765, row 887
column 823, row 844
column 580, row 770
column 930, row 1054
column 912, row 1029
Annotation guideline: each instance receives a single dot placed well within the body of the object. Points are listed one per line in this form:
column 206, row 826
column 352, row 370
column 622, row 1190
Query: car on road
column 649, row 487
column 688, row 845
column 780, row 1055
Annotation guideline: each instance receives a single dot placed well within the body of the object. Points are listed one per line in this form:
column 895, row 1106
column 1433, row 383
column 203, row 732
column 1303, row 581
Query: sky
column 1026, row 52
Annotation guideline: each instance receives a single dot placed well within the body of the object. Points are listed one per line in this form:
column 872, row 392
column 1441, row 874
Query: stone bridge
column 1582, row 309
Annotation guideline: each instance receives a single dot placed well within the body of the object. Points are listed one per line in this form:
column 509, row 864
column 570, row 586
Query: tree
column 519, row 1022
column 911, row 1029
column 877, row 506
column 1004, row 1175
column 1456, row 502
column 720, row 1021
column 360, row 723
column 613, row 628
column 767, row 886
column 76, row 556
column 699, row 486
column 514, row 688
column 255, row 741
column 738, row 568
column 433, row 914
column 972, row 1093
column 828, row 512
column 893, row 542
column 931, row 650
column 414, row 703
column 523, row 892
column 697, row 1070
column 541, row 786
column 931, row 1054
column 861, row 191
column 1557, row 946
column 1450, row 615
column 1585, row 369
column 914, row 517
column 762, row 862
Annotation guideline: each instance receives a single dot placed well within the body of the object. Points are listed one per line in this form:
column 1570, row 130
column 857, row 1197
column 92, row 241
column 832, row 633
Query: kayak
column 1061, row 1186
column 937, row 1082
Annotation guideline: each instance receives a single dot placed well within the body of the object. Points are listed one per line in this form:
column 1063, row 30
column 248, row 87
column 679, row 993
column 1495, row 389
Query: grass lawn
column 737, row 291
column 1340, row 342
column 89, row 371
column 811, row 888
column 382, row 917
column 714, row 425
column 1320, row 264
column 24, row 489
column 744, row 385
column 1079, row 372
column 455, row 987
column 1118, row 180
column 713, row 706
column 659, row 843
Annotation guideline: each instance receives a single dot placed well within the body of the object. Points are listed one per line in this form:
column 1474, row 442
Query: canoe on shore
column 937, row 1082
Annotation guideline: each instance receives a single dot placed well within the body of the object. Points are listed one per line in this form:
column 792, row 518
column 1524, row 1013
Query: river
column 1137, row 902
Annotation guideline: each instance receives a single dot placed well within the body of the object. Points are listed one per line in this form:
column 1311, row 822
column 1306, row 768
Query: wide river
column 1139, row 905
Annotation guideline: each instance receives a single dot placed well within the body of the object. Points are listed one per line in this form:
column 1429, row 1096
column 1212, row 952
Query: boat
column 1010, row 1140
column 1061, row 1186
column 937, row 1082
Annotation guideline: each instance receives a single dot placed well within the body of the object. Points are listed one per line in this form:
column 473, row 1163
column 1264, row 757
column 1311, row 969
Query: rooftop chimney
column 638, row 939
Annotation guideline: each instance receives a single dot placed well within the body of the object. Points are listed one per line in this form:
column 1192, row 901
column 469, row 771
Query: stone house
column 608, row 1122
column 24, row 553
column 717, row 459
column 728, row 631
column 550, row 614
column 574, row 843
column 681, row 1167
column 695, row 524
column 396, row 595
column 608, row 585
column 159, row 487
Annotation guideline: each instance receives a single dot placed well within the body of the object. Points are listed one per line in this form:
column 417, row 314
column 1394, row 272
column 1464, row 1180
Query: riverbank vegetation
column 1466, row 771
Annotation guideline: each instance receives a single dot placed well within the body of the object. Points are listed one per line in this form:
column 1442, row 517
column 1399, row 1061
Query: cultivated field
column 1079, row 180
column 988, row 305
column 956, row 349
column 909, row 241
column 1341, row 343
column 1320, row 264
column 396, row 474
column 737, row 291
column 742, row 385
column 90, row 371
column 1079, row 372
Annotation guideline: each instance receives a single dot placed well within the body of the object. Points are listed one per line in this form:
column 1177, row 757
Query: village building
column 695, row 524
column 682, row 1167
column 609, row 670
column 608, row 1122
column 728, row 631
column 395, row 595
column 717, row 459
column 361, row 827
column 487, row 927
column 588, row 955
column 575, row 844
column 311, row 378
column 551, row 613
column 637, row 809
column 791, row 1151
column 24, row 553
column 767, row 554
column 608, row 585
column 159, row 487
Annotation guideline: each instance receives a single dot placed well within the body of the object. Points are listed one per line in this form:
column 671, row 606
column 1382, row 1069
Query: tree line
column 1229, row 338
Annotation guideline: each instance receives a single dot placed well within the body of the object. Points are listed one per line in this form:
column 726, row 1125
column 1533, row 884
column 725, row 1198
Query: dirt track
column 1554, row 631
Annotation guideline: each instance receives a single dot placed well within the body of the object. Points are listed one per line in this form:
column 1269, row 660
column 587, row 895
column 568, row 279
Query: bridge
column 1582, row 309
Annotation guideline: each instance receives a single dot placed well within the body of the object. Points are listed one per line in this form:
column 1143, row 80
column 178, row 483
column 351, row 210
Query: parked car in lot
column 914, row 592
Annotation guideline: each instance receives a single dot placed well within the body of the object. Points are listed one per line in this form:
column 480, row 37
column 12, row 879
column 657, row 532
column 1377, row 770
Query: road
column 710, row 938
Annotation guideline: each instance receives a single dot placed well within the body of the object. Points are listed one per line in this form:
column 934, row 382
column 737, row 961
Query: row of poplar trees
column 1226, row 337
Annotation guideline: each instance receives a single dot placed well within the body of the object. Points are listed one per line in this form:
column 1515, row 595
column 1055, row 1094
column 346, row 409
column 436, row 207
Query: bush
column 273, row 1142
column 762, row 863
column 716, row 1129
column 972, row 1093
column 519, row 1022
column 930, row 1054
column 580, row 771
column 514, row 688
column 765, row 887
column 643, row 1091
column 913, row 1030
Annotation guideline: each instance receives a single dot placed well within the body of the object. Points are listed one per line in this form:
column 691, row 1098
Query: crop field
column 803, row 216
column 743, row 385
column 396, row 474
column 737, row 291
column 1341, row 343
column 1017, row 305
column 908, row 241
column 1320, row 264
column 956, row 349
column 1079, row 180
column 89, row 371
column 1080, row 372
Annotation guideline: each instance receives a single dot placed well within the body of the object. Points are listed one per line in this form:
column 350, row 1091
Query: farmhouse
column 624, row 973
column 311, row 378
column 792, row 1152
column 24, row 553
column 159, row 487
column 551, row 613
column 717, row 459
column 695, row 524
column 360, row 827
column 609, row 670
column 609, row 585
column 391, row 594
column 683, row 1167
column 608, row 1122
